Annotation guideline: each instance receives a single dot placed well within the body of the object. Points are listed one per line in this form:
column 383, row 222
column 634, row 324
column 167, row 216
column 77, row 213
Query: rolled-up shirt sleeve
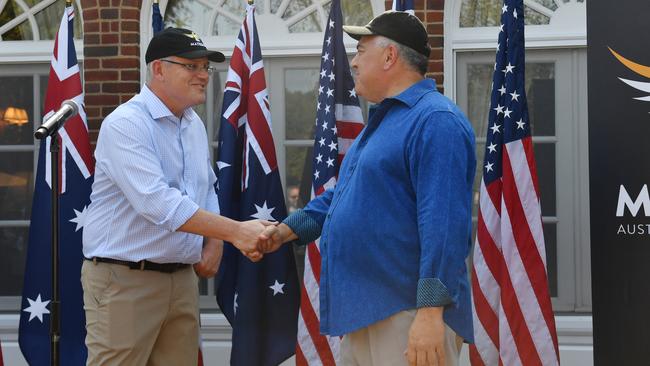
column 441, row 156
column 135, row 168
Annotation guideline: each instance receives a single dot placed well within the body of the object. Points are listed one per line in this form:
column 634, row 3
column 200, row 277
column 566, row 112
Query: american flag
column 513, row 317
column 77, row 168
column 260, row 300
column 403, row 5
column 338, row 122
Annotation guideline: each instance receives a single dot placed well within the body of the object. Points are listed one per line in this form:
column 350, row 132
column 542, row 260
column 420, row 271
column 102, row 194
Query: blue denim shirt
column 395, row 231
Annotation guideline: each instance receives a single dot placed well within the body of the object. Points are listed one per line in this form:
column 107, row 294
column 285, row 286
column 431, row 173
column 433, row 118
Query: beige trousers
column 383, row 343
column 140, row 317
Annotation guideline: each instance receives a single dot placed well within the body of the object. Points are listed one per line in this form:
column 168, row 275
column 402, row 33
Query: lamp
column 16, row 116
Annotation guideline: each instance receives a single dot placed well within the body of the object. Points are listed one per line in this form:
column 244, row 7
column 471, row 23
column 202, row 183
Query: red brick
column 109, row 13
column 110, row 38
column 103, row 75
column 92, row 135
column 132, row 3
column 436, row 41
column 435, row 4
column 130, row 14
column 91, row 63
column 92, row 112
column 92, row 88
column 436, row 54
column 94, row 123
column 120, row 63
column 90, row 27
column 91, row 38
column 130, row 38
column 115, row 26
column 121, row 87
column 130, row 50
column 435, row 16
column 90, row 14
column 130, row 25
column 88, row 4
column 130, row 75
column 435, row 66
column 108, row 110
column 435, row 29
column 106, row 27
column 104, row 3
column 125, row 98
column 101, row 100
column 420, row 14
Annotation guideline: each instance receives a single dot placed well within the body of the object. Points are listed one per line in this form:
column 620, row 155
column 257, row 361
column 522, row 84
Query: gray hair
column 413, row 58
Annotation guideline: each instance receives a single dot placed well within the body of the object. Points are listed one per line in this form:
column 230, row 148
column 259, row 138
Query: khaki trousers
column 383, row 343
column 138, row 317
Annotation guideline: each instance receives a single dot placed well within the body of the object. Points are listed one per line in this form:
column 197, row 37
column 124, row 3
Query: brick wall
column 111, row 56
column 431, row 13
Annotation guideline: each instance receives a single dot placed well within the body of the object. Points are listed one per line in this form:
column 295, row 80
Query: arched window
column 556, row 77
column 27, row 31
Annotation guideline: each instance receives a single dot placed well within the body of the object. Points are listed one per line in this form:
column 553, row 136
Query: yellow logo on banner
column 637, row 68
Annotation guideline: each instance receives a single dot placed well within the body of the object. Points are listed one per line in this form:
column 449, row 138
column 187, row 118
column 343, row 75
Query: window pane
column 545, row 162
column 16, row 185
column 540, row 93
column 550, row 240
column 187, row 14
column 487, row 13
column 13, row 245
column 21, row 32
column 49, row 20
column 298, row 160
column 356, row 12
column 307, row 24
column 16, row 109
column 300, row 93
column 295, row 6
column 225, row 26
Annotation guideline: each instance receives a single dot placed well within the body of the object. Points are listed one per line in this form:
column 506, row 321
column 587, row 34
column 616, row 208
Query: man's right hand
column 274, row 236
column 247, row 236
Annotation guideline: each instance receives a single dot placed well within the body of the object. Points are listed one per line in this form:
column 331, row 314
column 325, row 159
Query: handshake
column 255, row 238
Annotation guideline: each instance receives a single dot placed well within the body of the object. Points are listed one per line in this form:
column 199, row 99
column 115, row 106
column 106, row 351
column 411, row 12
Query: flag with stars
column 513, row 318
column 76, row 174
column 338, row 122
column 260, row 300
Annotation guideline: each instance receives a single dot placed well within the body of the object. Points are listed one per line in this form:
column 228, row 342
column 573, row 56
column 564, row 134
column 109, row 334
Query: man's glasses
column 193, row 67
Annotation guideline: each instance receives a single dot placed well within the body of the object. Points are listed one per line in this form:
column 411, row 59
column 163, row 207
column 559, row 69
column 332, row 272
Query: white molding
column 32, row 51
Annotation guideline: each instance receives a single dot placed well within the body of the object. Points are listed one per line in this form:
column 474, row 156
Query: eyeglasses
column 193, row 67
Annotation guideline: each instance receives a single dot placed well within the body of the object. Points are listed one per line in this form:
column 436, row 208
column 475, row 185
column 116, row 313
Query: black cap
column 179, row 42
column 401, row 27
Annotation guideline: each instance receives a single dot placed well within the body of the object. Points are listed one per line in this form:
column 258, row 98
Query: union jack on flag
column 338, row 122
column 77, row 167
column 513, row 318
column 260, row 300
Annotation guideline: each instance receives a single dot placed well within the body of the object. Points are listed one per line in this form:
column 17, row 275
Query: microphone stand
column 55, row 319
column 55, row 308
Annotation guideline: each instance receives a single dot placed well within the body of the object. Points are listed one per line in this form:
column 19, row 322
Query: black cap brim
column 214, row 56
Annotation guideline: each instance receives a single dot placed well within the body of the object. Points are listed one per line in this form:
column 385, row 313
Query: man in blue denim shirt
column 395, row 231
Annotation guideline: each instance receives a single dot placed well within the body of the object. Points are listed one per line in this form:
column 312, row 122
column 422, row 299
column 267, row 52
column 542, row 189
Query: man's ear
column 156, row 69
column 390, row 56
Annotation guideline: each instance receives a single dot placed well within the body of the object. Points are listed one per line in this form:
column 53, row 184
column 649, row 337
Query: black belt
column 143, row 265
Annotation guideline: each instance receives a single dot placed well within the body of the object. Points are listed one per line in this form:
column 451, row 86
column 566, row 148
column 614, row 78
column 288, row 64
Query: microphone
column 68, row 109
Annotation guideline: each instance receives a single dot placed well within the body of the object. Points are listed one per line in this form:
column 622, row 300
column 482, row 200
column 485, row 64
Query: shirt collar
column 158, row 109
column 415, row 92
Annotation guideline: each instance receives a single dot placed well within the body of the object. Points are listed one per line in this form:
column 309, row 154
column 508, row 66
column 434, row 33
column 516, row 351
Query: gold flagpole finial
column 68, row 3
column 155, row 1
column 251, row 2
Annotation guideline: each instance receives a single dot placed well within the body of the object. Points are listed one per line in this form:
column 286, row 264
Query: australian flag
column 76, row 172
column 260, row 300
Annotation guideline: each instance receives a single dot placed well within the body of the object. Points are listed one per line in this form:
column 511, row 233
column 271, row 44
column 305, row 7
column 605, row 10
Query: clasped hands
column 255, row 238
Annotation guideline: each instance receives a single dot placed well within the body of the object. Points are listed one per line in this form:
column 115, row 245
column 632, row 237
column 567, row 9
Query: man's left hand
column 210, row 258
column 426, row 345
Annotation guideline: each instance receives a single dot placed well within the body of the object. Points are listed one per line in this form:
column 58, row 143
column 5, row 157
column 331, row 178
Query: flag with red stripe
column 338, row 122
column 513, row 317
column 260, row 300
column 77, row 167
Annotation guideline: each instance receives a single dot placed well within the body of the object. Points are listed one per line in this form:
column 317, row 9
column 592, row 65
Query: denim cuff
column 304, row 226
column 431, row 292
